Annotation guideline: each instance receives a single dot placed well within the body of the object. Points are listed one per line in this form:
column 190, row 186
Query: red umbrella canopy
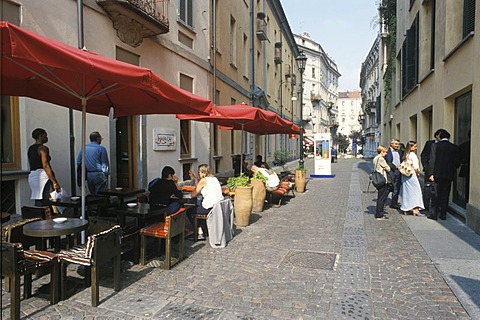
column 245, row 117
column 42, row 68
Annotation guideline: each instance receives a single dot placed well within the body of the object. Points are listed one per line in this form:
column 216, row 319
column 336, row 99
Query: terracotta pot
column 300, row 180
column 258, row 194
column 243, row 205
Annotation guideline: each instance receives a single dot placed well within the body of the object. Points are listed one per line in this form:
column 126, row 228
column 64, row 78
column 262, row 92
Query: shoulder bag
column 377, row 178
column 406, row 168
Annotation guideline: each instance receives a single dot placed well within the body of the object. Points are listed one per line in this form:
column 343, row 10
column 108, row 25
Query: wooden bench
column 284, row 189
column 173, row 227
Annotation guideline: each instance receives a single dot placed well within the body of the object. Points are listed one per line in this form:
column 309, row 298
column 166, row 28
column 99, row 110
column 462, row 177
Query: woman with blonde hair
column 411, row 191
column 381, row 166
column 208, row 192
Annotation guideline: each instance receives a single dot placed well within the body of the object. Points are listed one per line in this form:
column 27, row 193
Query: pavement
column 321, row 255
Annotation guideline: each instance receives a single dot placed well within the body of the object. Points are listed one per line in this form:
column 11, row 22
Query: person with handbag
column 411, row 191
column 381, row 166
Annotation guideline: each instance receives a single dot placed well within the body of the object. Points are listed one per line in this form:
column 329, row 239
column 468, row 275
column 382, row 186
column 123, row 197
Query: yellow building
column 436, row 84
column 253, row 61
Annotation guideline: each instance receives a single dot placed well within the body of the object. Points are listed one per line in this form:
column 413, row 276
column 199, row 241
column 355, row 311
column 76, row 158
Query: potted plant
column 300, row 179
column 259, row 192
column 243, row 198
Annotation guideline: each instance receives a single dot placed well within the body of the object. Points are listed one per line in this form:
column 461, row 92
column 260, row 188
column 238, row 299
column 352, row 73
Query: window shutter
column 468, row 17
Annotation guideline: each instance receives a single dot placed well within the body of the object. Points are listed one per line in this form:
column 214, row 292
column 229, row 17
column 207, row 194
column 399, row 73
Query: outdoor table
column 122, row 193
column 50, row 229
column 77, row 204
column 142, row 211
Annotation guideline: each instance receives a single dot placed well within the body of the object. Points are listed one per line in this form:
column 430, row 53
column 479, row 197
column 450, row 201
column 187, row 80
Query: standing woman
column 411, row 191
column 380, row 165
column 41, row 178
column 210, row 190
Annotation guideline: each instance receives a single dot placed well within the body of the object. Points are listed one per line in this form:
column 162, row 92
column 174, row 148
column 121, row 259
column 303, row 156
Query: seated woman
column 273, row 182
column 162, row 189
column 208, row 192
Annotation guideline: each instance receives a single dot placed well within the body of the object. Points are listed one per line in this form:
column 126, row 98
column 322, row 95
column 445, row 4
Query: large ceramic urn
column 300, row 180
column 243, row 205
column 259, row 192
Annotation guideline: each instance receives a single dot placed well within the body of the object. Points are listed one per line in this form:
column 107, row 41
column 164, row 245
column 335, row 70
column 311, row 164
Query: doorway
column 125, row 134
column 463, row 117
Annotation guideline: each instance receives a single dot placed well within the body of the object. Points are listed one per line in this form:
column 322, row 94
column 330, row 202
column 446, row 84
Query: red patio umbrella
column 42, row 68
column 245, row 118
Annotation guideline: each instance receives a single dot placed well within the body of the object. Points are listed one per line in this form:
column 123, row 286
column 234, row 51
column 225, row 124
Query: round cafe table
column 50, row 229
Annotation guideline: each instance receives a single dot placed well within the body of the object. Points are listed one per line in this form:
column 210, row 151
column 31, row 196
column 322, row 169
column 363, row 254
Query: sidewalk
column 322, row 255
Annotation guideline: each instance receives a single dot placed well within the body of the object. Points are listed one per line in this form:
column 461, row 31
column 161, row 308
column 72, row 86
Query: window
column 10, row 148
column 468, row 17
column 313, row 73
column 186, row 12
column 410, row 58
column 245, row 55
column 233, row 39
column 186, row 83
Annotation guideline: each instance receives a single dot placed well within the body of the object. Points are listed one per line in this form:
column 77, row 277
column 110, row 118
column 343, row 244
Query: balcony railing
column 137, row 19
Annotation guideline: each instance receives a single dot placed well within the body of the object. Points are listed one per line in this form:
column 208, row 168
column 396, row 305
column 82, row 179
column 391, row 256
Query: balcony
column 261, row 27
column 315, row 97
column 135, row 20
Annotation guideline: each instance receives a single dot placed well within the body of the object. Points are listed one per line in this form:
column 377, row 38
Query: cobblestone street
column 321, row 255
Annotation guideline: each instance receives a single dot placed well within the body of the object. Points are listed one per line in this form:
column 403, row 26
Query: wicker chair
column 17, row 262
column 101, row 248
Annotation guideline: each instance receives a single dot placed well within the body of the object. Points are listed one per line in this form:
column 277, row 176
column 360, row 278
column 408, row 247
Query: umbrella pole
column 241, row 151
column 84, row 127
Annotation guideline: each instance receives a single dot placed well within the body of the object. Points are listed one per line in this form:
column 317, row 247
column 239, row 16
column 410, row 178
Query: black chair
column 43, row 213
column 17, row 262
column 100, row 249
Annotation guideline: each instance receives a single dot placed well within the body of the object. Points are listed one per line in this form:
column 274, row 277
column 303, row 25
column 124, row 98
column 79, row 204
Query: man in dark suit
column 442, row 170
column 425, row 158
column 394, row 158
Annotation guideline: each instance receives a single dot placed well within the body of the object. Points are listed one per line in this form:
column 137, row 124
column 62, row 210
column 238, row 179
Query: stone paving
column 321, row 255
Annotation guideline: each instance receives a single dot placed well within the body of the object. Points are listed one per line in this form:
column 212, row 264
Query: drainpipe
column 214, row 61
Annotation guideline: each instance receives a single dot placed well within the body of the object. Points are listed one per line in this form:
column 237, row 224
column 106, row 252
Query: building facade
column 320, row 91
column 371, row 100
column 349, row 110
column 435, row 83
column 254, row 63
column 222, row 50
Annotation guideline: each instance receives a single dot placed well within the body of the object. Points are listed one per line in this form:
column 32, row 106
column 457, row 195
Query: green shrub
column 240, row 181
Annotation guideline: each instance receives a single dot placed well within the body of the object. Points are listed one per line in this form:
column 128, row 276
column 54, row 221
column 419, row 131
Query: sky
column 346, row 30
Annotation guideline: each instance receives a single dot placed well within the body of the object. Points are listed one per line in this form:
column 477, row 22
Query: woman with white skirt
column 411, row 192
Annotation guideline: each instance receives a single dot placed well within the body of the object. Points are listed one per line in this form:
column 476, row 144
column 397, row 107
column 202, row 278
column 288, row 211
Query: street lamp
column 301, row 62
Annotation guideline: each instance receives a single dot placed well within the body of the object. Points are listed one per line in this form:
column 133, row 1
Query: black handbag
column 378, row 179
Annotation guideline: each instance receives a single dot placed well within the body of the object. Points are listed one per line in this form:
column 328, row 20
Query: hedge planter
column 259, row 192
column 300, row 180
column 243, row 205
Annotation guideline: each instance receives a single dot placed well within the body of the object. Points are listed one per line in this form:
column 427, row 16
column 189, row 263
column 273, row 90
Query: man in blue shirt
column 96, row 164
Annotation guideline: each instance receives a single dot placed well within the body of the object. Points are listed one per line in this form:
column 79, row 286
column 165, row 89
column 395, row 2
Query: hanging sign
column 164, row 139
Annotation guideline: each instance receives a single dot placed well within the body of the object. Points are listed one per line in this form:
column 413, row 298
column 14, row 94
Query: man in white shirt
column 272, row 179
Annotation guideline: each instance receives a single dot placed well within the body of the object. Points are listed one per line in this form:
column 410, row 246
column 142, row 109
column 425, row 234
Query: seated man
column 162, row 189
column 273, row 182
